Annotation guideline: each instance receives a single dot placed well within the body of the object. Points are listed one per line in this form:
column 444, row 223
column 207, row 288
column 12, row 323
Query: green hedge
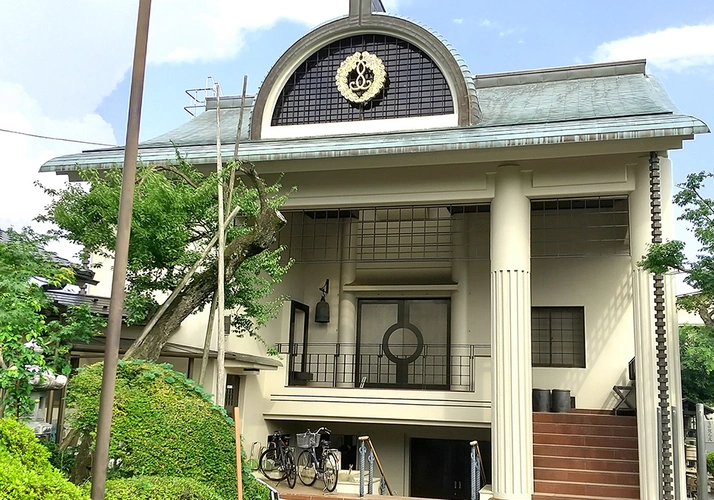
column 163, row 425
column 25, row 470
column 157, row 488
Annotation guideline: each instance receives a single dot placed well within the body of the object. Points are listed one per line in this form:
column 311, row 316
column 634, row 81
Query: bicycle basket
column 307, row 439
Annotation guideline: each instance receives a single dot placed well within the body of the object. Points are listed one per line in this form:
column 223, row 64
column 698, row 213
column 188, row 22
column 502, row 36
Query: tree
column 696, row 346
column 696, row 342
column 698, row 272
column 175, row 218
column 35, row 336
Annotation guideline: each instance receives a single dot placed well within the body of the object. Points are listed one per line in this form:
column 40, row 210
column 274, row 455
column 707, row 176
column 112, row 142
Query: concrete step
column 585, row 419
column 587, row 476
column 585, row 430
column 555, row 496
column 584, row 464
column 589, row 441
column 588, row 489
column 553, row 450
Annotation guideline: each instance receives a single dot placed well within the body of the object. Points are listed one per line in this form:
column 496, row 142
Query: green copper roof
column 602, row 102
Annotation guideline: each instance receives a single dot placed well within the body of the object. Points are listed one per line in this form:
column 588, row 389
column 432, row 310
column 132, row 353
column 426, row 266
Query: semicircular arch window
column 414, row 85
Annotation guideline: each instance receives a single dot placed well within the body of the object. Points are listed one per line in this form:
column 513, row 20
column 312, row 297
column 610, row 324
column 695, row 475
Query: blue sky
column 65, row 72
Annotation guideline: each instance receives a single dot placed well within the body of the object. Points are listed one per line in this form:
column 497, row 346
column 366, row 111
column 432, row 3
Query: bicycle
column 309, row 467
column 277, row 462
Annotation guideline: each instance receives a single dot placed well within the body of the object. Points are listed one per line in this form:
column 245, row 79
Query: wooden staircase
column 585, row 456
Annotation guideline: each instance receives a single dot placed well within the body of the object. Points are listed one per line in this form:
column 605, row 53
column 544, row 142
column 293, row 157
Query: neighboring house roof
column 97, row 305
column 82, row 275
column 97, row 345
column 612, row 101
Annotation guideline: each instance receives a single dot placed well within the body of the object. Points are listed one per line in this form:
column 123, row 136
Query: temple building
column 474, row 237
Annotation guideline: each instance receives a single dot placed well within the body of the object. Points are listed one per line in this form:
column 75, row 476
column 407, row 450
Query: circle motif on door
column 407, row 345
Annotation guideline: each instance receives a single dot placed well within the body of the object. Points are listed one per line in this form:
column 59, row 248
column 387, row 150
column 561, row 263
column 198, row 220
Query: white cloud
column 58, row 63
column 191, row 30
column 458, row 21
column 485, row 23
column 20, row 200
column 673, row 49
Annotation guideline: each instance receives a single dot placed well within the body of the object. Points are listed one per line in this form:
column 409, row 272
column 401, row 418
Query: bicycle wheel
column 329, row 474
column 306, row 468
column 290, row 469
column 270, row 465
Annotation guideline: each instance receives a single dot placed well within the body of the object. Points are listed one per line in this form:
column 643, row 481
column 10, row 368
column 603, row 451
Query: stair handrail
column 371, row 458
column 478, row 472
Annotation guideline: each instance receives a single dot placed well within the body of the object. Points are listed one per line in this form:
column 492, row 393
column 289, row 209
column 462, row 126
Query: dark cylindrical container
column 541, row 400
column 561, row 400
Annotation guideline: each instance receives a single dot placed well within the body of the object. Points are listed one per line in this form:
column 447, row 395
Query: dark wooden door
column 440, row 468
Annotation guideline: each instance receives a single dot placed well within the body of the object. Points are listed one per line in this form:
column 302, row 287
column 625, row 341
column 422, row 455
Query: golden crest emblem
column 361, row 77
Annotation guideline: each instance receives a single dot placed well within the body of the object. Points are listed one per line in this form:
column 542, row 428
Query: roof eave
column 429, row 141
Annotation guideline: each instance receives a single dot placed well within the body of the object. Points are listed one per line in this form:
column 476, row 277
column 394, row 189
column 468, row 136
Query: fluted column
column 644, row 331
column 512, row 417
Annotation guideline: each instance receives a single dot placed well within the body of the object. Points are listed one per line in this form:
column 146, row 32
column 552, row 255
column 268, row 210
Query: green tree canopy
column 696, row 341
column 175, row 216
column 698, row 211
column 696, row 345
column 34, row 334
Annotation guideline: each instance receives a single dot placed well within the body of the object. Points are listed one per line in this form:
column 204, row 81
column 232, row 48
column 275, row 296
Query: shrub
column 163, row 425
column 254, row 490
column 157, row 488
column 25, row 470
column 710, row 463
column 62, row 460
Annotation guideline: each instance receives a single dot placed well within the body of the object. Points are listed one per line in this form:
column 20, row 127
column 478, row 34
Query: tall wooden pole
column 239, row 463
column 220, row 289
column 121, row 254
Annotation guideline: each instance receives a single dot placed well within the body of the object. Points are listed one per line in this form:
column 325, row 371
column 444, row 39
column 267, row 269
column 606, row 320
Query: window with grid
column 415, row 85
column 558, row 336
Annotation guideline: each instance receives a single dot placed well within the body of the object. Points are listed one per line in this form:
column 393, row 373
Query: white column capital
column 510, row 221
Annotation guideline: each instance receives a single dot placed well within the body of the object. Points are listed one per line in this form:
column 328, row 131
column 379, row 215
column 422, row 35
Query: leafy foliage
column 698, row 211
column 157, row 488
column 175, row 217
column 696, row 345
column 163, row 425
column 25, row 470
column 61, row 459
column 710, row 463
column 27, row 314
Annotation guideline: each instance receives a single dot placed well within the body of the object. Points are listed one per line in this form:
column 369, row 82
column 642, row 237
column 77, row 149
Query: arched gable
column 424, row 77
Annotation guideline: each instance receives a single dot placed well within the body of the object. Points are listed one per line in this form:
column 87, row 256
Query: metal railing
column 436, row 367
column 366, row 450
column 478, row 473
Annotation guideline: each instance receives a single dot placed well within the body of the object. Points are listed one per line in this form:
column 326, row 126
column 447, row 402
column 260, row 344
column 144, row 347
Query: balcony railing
column 436, row 367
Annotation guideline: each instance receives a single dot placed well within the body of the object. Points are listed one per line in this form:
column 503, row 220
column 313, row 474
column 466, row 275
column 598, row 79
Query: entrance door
column 404, row 343
column 298, row 370
column 440, row 468
column 232, row 392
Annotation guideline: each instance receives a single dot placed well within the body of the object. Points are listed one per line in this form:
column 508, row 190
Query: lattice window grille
column 583, row 226
column 415, row 85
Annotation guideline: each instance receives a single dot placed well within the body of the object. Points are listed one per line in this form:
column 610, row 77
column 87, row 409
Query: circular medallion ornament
column 361, row 77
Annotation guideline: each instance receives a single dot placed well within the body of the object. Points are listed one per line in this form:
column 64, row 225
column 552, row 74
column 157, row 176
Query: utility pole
column 121, row 254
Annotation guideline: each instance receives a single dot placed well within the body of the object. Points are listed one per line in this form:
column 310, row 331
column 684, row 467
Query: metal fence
column 438, row 367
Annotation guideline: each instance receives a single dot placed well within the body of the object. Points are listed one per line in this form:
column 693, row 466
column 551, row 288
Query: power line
column 56, row 138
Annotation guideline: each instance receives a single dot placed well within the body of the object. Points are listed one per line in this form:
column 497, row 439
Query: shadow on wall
column 603, row 285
